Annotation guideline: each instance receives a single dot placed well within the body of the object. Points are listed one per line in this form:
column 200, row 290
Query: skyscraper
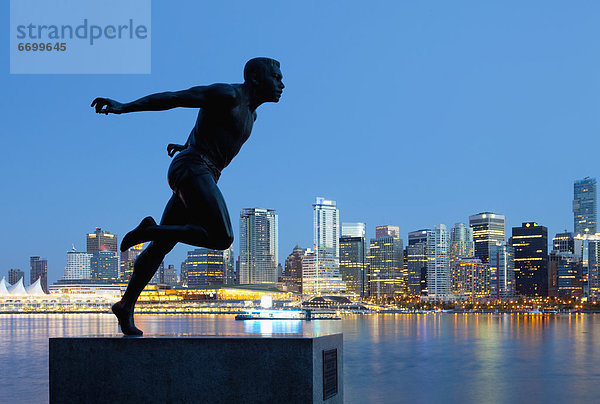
column 229, row 259
column 502, row 271
column 101, row 240
column 258, row 246
column 39, row 270
column 354, row 229
column 587, row 246
column 418, row 237
column 387, row 231
column 128, row 258
column 104, row 264
column 386, row 263
column 563, row 242
column 438, row 263
column 530, row 242
column 470, row 278
column 170, row 277
column 78, row 265
column 159, row 275
column 353, row 263
column 416, row 253
column 353, row 257
column 564, row 274
column 325, row 277
column 416, row 256
column 14, row 274
column 461, row 247
column 292, row 275
column 584, row 206
column 204, row 267
column 488, row 229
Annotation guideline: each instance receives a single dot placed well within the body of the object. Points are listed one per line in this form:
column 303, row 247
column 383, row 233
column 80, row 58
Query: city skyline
column 433, row 99
column 368, row 230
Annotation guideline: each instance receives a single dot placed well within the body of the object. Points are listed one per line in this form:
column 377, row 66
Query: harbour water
column 416, row 358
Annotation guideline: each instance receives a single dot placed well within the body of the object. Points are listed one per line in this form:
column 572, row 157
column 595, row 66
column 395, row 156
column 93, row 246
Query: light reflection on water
column 387, row 358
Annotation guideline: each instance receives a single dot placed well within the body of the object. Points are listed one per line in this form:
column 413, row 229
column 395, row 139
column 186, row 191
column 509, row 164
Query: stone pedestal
column 245, row 368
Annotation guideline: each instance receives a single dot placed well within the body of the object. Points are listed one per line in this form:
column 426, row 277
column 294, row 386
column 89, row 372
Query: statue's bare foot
column 136, row 236
column 125, row 318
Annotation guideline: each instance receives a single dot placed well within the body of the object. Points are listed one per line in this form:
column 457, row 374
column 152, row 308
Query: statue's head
column 264, row 76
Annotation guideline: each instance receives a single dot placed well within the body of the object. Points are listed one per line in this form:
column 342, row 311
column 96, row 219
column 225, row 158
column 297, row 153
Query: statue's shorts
column 190, row 162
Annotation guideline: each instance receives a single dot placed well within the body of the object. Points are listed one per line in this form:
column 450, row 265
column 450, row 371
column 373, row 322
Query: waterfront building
column 292, row 274
column 354, row 229
column 387, row 231
column 78, row 265
column 159, row 275
column 326, row 235
column 258, row 246
column 386, row 264
column 39, row 270
column 101, row 240
column 183, row 274
column 488, row 229
column 104, row 266
column 471, row 278
column 585, row 206
column 416, row 255
column 438, row 263
column 587, row 246
column 418, row 237
column 170, row 275
column 563, row 242
column 128, row 258
column 14, row 274
column 564, row 274
column 416, row 266
column 502, row 271
column 229, row 259
column 353, row 262
column 530, row 242
column 203, row 267
column 319, row 281
column 353, row 257
column 461, row 247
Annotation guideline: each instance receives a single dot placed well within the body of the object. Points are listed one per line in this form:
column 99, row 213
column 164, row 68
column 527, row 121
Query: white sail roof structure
column 3, row 288
column 35, row 289
column 17, row 289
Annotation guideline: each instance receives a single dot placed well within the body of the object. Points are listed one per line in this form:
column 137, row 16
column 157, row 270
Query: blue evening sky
column 405, row 113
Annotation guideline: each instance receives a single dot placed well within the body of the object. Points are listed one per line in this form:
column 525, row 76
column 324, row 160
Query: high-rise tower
column 488, row 229
column 326, row 276
column 258, row 246
column 353, row 257
column 386, row 264
column 78, row 265
column 438, row 263
column 530, row 242
column 584, row 206
column 416, row 255
column 39, row 270
column 101, row 240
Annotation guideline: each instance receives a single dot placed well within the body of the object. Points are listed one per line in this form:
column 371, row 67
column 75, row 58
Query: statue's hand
column 106, row 106
column 174, row 148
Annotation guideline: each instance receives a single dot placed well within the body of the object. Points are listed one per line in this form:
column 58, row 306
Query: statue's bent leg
column 144, row 268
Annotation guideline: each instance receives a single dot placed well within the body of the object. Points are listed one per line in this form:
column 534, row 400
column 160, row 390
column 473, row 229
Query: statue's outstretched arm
column 195, row 97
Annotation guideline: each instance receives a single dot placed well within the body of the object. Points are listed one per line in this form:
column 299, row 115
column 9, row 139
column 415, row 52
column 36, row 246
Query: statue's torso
column 220, row 132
